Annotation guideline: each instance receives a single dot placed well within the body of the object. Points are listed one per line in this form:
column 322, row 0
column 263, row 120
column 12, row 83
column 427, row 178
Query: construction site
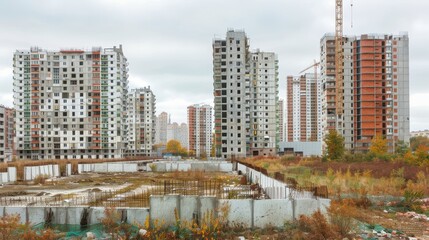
column 76, row 201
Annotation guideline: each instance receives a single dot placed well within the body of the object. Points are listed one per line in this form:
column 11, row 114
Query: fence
column 275, row 188
column 139, row 197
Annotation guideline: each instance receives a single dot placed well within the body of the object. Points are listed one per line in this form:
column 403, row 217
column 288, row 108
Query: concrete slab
column 184, row 167
column 60, row 215
column 21, row 211
column 96, row 214
column 137, row 216
column 100, row 167
column 272, row 212
column 305, row 206
column 56, row 170
column 4, row 177
column 189, row 208
column 36, row 215
column 130, row 167
column 240, row 212
column 115, row 167
column 208, row 205
column 2, row 211
column 162, row 208
column 324, row 204
column 225, row 167
column 160, row 167
column 12, row 174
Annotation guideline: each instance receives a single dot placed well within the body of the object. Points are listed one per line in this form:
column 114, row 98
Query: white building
column 7, row 133
column 70, row 103
column 245, row 98
column 141, row 122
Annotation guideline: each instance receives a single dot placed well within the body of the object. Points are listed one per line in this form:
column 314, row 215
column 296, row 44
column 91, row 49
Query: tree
column 422, row 154
column 174, row 147
column 415, row 142
column 378, row 146
column 401, row 148
column 334, row 145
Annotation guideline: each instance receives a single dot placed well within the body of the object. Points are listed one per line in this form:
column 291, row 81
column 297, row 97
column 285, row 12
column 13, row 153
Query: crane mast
column 339, row 56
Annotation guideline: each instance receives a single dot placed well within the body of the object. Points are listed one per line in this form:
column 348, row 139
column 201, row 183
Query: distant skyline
column 169, row 43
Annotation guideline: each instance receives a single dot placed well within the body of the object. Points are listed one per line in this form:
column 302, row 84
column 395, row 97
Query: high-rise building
column 304, row 109
column 178, row 132
column 200, row 129
column 245, row 98
column 161, row 128
column 70, row 103
column 263, row 103
column 7, row 133
column 376, row 89
column 140, row 122
column 280, row 109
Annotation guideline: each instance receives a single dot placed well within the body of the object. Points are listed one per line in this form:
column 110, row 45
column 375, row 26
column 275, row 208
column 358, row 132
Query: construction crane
column 339, row 57
column 315, row 65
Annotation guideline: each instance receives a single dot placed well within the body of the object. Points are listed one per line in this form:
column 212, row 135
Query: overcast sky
column 168, row 42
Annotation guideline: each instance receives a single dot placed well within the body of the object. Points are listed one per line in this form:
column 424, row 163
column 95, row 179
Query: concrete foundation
column 162, row 208
column 272, row 212
column 240, row 212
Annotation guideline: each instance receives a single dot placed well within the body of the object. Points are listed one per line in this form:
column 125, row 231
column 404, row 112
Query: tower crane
column 315, row 65
column 339, row 56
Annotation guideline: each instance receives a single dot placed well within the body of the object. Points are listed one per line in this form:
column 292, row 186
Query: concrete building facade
column 376, row 89
column 245, row 98
column 281, row 112
column 161, row 128
column 178, row 132
column 70, row 103
column 304, row 108
column 141, row 110
column 7, row 133
column 200, row 129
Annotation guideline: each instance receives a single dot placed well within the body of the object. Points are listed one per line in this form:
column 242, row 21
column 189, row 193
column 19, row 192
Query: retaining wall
column 108, row 167
column 31, row 172
column 208, row 166
column 9, row 176
column 247, row 213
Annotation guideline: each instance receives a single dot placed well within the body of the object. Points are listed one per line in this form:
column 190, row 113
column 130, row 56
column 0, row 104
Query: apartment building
column 263, row 104
column 200, row 129
column 245, row 98
column 7, row 133
column 178, row 132
column 70, row 103
column 304, row 108
column 161, row 128
column 280, row 109
column 376, row 89
column 141, row 122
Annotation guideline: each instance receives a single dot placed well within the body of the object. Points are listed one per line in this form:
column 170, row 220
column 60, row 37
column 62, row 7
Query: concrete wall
column 208, row 166
column 247, row 213
column 9, row 176
column 108, row 167
column 31, row 172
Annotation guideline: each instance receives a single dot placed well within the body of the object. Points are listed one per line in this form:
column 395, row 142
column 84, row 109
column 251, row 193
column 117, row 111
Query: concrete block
column 2, row 211
column 96, row 214
column 160, row 167
column 56, row 170
column 100, row 167
column 60, row 215
column 27, row 173
column 4, row 177
column 324, row 203
column 69, row 169
column 36, row 215
column 74, row 215
column 189, row 208
column 162, row 208
column 115, row 167
column 137, row 216
column 208, row 204
column 272, row 212
column 305, row 206
column 225, row 167
column 184, row 167
column 12, row 174
column 240, row 211
column 20, row 210
column 130, row 167
column 197, row 167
